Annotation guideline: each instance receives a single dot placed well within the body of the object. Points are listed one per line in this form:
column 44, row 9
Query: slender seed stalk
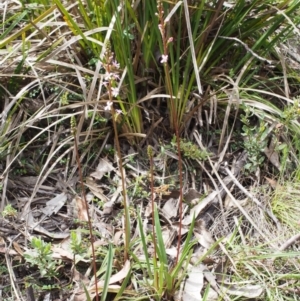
column 125, row 204
column 114, row 115
column 83, row 195
column 150, row 155
column 173, row 112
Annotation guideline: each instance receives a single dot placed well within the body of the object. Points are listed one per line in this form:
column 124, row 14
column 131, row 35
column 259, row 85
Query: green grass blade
column 164, row 278
column 27, row 27
column 73, row 25
column 161, row 251
column 108, row 273
column 87, row 294
column 144, row 245
column 121, row 42
column 18, row 19
column 185, row 250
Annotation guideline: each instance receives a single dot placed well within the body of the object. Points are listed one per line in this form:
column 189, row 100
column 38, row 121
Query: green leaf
column 108, row 273
column 144, row 245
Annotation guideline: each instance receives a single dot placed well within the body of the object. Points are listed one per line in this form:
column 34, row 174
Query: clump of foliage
column 192, row 151
column 9, row 211
column 255, row 140
column 41, row 257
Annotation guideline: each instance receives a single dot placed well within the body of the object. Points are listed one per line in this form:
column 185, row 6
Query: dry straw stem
column 289, row 242
column 12, row 277
column 254, row 199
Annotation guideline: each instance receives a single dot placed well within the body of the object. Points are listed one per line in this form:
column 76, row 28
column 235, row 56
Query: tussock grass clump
column 286, row 204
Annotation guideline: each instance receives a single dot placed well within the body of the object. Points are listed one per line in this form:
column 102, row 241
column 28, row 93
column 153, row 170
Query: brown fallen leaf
column 273, row 183
column 18, row 248
column 81, row 209
column 4, row 250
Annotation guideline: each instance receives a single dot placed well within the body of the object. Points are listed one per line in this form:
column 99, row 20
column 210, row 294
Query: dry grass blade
column 192, row 47
column 13, row 279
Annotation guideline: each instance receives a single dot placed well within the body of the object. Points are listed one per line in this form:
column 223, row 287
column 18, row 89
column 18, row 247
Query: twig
column 289, row 242
column 12, row 277
column 254, row 199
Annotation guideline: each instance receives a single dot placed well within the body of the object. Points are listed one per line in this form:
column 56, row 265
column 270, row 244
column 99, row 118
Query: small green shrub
column 41, row 256
column 9, row 211
column 191, row 150
column 255, row 141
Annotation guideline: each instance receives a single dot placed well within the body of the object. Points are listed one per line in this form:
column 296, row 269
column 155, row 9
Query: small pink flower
column 108, row 76
column 108, row 106
column 170, row 40
column 116, row 76
column 114, row 92
column 164, row 58
column 160, row 27
column 111, row 76
column 116, row 65
column 117, row 113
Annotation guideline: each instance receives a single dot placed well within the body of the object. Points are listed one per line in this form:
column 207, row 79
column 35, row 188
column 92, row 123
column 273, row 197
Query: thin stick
column 150, row 155
column 86, row 206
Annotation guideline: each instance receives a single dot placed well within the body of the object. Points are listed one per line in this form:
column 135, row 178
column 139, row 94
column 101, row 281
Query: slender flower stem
column 112, row 91
column 127, row 220
column 173, row 112
column 87, row 208
column 150, row 155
